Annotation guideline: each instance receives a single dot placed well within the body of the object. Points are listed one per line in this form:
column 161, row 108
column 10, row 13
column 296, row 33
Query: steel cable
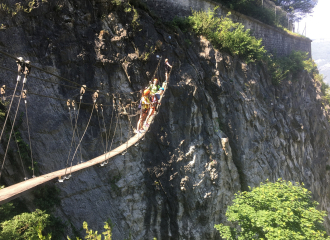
column 27, row 123
column 11, row 131
column 83, row 135
column 11, row 102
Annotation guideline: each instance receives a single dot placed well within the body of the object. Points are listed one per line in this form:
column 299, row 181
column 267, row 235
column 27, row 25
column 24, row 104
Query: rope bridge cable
column 106, row 137
column 114, row 133
column 41, row 79
column 20, row 69
column 95, row 96
column 26, row 72
column 19, row 152
column 68, row 86
column 55, row 98
column 27, row 123
column 43, row 70
column 82, row 91
column 98, row 119
column 69, row 108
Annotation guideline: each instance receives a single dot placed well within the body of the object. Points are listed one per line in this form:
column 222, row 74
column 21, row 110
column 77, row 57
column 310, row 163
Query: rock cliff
column 222, row 125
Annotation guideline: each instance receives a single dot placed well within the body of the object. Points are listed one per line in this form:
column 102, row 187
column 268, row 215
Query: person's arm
column 169, row 65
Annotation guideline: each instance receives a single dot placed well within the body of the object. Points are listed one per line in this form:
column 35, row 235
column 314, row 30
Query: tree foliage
column 277, row 210
column 95, row 235
column 25, row 226
column 297, row 8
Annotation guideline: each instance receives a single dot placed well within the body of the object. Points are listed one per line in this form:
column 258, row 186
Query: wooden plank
column 15, row 190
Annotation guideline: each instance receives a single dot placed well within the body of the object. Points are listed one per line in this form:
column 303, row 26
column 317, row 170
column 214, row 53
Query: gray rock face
column 222, row 125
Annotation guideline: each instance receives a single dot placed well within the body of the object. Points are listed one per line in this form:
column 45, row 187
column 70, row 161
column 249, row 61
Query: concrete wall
column 276, row 41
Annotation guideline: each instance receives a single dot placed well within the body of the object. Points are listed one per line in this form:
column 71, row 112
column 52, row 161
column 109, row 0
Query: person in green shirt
column 154, row 88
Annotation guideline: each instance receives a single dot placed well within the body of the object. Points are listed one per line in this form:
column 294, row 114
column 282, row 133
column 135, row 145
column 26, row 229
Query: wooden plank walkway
column 15, row 190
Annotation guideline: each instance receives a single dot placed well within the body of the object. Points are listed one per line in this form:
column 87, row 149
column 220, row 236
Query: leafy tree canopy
column 277, row 210
column 297, row 8
column 25, row 226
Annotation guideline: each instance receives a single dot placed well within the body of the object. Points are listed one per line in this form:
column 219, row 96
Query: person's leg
column 144, row 116
column 152, row 110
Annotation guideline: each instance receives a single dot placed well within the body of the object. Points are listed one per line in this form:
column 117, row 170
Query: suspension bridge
column 119, row 108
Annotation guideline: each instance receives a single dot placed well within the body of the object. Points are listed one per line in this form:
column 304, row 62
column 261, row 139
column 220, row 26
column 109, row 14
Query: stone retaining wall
column 275, row 40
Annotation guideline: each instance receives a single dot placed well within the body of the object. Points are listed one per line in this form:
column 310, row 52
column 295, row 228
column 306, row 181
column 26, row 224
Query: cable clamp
column 95, row 96
column 3, row 90
column 73, row 103
column 27, row 68
column 82, row 90
column 68, row 103
column 24, row 94
column 20, row 65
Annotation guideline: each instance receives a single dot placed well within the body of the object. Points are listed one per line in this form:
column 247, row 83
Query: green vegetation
column 293, row 64
column 26, row 6
column 113, row 184
column 223, row 33
column 25, row 226
column 95, row 235
column 15, row 219
column 146, row 55
column 131, row 12
column 297, row 8
column 277, row 210
column 254, row 9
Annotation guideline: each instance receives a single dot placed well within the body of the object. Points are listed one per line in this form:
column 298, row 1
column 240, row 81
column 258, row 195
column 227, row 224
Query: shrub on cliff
column 277, row 210
column 95, row 235
column 25, row 226
column 224, row 34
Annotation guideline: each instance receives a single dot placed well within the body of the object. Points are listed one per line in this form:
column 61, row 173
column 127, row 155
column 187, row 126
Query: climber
column 159, row 93
column 168, row 68
column 145, row 104
column 154, row 87
column 153, row 105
